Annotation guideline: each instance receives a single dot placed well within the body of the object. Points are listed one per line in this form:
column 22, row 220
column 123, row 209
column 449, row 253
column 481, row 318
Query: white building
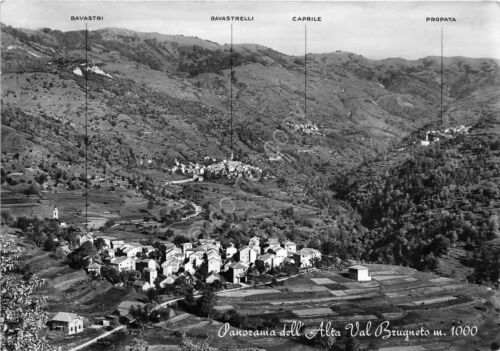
column 123, row 263
column 231, row 251
column 359, row 273
column 131, row 251
column 307, row 255
column 266, row 261
column 290, row 247
column 168, row 280
column 214, row 263
column 247, row 255
column 237, row 271
column 67, row 323
column 86, row 237
column 150, row 276
column 281, row 254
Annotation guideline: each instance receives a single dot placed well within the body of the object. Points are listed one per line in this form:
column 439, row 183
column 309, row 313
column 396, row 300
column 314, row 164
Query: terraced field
column 404, row 297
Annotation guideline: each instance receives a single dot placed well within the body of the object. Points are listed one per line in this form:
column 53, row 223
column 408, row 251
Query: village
column 228, row 169
column 158, row 268
column 448, row 133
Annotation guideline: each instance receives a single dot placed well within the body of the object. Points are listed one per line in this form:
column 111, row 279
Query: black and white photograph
column 250, row 175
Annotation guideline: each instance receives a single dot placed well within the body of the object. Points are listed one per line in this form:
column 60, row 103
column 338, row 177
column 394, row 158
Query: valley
column 128, row 192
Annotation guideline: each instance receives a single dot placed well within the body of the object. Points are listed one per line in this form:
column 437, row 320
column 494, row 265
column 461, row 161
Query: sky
column 374, row 29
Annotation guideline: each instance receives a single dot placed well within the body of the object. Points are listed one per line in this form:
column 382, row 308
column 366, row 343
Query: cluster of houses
column 223, row 169
column 305, row 128
column 448, row 133
column 206, row 256
column 231, row 262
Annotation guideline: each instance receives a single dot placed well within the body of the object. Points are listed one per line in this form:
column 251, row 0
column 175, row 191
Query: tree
column 138, row 345
column 110, row 274
column 78, row 258
column 99, row 243
column 151, row 204
column 152, row 294
column 22, row 312
column 352, row 344
column 207, row 302
column 179, row 239
column 41, row 178
column 32, row 190
column 7, row 217
column 49, row 244
column 188, row 344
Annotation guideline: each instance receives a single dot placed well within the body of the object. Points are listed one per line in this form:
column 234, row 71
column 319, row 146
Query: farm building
column 359, row 273
column 67, row 323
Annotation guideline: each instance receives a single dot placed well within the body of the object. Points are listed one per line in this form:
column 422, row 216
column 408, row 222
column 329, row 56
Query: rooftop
column 65, row 317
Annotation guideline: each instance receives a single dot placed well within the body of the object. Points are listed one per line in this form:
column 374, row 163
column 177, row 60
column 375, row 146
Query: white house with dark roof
column 67, row 323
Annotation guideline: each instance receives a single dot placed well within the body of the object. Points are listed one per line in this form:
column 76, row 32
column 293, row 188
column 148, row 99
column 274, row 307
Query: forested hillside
column 348, row 175
column 441, row 196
